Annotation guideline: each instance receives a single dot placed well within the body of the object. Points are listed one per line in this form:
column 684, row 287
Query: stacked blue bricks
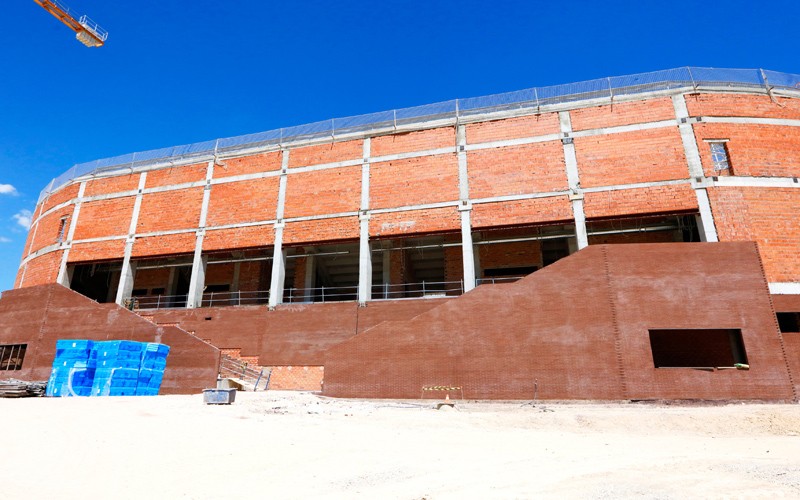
column 110, row 368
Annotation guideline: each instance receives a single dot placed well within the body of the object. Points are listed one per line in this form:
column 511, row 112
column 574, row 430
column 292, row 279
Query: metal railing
column 678, row 79
column 417, row 290
column 321, row 294
column 498, row 279
column 218, row 299
column 156, row 302
column 93, row 27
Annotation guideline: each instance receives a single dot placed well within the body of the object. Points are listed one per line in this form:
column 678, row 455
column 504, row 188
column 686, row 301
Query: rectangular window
column 702, row 348
column 719, row 156
column 11, row 356
column 62, row 228
column 789, row 322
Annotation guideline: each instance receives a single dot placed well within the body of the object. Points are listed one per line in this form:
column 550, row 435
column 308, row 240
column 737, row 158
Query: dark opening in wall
column 789, row 322
column 706, row 348
column 12, row 355
column 96, row 281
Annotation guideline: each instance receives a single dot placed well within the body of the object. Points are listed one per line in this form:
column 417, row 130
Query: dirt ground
column 299, row 445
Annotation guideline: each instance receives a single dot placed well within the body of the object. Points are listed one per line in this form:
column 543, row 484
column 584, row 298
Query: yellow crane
column 87, row 31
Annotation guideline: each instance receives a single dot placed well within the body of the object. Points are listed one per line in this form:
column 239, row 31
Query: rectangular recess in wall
column 697, row 348
column 789, row 322
column 12, row 355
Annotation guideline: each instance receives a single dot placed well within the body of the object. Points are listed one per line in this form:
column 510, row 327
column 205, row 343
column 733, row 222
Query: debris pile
column 13, row 388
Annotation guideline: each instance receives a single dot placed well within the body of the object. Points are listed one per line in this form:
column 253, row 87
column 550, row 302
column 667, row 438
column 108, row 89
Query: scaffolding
column 534, row 100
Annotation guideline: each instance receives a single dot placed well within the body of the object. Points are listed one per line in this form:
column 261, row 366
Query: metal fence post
column 691, row 77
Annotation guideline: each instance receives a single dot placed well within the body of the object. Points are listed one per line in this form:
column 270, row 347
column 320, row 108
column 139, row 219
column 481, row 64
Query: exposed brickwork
column 219, row 274
column 48, row 228
column 554, row 208
column 264, row 162
column 108, row 218
column 760, row 106
column 648, row 237
column 62, row 195
column 152, row 278
column 626, row 113
column 322, row 192
column 531, row 168
column 326, row 153
column 517, row 254
column 116, row 184
column 513, row 128
column 43, row 270
column 340, row 228
column 176, row 175
column 767, row 216
column 170, row 210
column 240, row 237
column 296, row 378
column 409, row 142
column 413, row 181
column 170, row 244
column 97, row 250
column 631, row 157
column 254, row 276
column 415, row 221
column 640, row 201
column 246, row 201
column 753, row 150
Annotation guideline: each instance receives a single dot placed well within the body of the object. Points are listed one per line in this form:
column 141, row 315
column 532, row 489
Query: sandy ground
column 298, row 445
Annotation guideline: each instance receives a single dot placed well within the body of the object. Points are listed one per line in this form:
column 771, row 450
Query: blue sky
column 175, row 72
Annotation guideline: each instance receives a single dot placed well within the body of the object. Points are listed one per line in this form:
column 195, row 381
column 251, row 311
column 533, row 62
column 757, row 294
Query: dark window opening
column 139, row 292
column 503, row 272
column 706, row 348
column 62, row 228
column 217, row 288
column 96, row 281
column 158, row 291
column 554, row 249
column 789, row 322
column 11, row 356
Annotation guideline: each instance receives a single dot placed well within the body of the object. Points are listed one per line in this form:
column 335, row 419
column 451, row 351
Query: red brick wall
column 753, row 150
column 170, row 210
column 264, row 162
column 152, row 278
column 47, row 230
column 529, row 168
column 98, row 250
column 413, row 181
column 640, row 201
column 114, row 184
column 42, row 269
column 415, row 221
column 104, row 218
column 554, row 208
column 767, row 216
column 519, row 254
column 240, row 237
column 60, row 196
column 164, row 245
column 296, row 378
column 340, row 228
column 631, row 157
column 625, row 113
column 409, row 142
column 513, row 128
column 219, row 274
column 245, row 201
column 323, row 192
column 326, row 153
column 175, row 175
column 742, row 105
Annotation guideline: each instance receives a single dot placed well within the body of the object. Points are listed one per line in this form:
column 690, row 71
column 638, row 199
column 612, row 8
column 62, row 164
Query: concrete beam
column 465, row 209
column 364, row 249
column 128, row 272
column 197, row 281
column 64, row 278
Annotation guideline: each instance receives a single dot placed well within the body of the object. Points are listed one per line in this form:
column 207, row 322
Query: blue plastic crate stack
column 108, row 368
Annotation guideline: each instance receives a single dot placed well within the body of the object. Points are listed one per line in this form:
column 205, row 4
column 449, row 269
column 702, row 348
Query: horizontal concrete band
column 431, row 152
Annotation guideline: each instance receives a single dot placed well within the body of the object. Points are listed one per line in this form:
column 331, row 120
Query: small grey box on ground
column 219, row 396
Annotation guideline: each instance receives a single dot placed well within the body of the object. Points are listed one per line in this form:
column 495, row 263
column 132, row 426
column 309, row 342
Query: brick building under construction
column 473, row 244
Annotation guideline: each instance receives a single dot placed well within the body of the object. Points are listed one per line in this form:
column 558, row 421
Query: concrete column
column 707, row 227
column 128, row 272
column 64, row 277
column 386, row 255
column 279, row 255
column 364, row 249
column 573, row 179
column 197, row 281
column 465, row 209
column 237, row 270
column 309, row 277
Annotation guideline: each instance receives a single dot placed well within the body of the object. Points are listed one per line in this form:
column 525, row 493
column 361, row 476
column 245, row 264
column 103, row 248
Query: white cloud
column 8, row 189
column 3, row 239
column 23, row 218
